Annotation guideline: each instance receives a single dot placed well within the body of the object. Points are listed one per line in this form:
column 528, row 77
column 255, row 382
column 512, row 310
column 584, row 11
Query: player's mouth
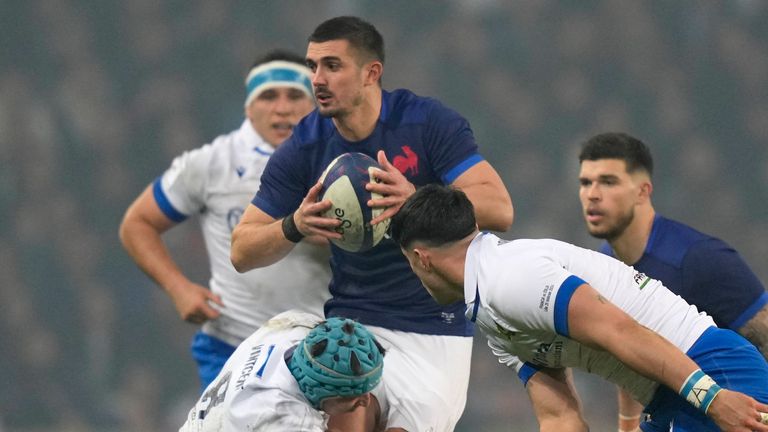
column 283, row 127
column 323, row 96
column 594, row 215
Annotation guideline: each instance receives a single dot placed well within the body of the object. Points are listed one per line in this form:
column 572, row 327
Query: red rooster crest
column 408, row 163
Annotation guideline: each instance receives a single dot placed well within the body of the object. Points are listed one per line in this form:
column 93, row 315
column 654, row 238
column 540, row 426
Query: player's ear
column 646, row 189
column 423, row 258
column 363, row 400
column 373, row 72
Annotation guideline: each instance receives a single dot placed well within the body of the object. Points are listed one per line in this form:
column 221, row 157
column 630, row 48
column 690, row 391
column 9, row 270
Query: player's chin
column 597, row 232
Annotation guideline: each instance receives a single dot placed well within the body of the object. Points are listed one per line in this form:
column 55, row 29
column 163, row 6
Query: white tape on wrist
column 699, row 390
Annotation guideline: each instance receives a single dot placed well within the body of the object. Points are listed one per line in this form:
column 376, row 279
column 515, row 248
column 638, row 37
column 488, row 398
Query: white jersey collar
column 253, row 140
column 471, row 268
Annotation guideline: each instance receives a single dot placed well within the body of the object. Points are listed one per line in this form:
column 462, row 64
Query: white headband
column 277, row 73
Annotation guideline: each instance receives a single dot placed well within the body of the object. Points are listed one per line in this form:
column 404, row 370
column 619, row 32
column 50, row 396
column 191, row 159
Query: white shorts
column 425, row 380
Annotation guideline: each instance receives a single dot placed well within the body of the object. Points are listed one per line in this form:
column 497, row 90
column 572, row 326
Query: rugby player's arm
column 489, row 196
column 141, row 235
column 258, row 240
column 596, row 322
column 756, row 330
column 555, row 401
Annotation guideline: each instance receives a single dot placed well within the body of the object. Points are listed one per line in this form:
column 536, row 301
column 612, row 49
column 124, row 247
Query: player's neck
column 629, row 246
column 359, row 123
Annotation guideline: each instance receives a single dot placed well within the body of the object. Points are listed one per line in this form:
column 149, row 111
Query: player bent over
column 546, row 306
column 292, row 374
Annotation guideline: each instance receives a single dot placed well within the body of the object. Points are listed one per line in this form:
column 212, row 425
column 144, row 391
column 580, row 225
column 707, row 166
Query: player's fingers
column 387, row 201
column 207, row 312
column 316, row 208
column 382, row 159
column 386, row 214
column 215, row 298
column 382, row 178
column 325, row 233
column 314, row 193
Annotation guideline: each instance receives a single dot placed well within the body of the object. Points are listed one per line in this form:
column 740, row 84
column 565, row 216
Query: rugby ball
column 344, row 183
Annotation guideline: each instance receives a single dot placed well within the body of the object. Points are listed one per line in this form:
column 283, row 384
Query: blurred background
column 96, row 98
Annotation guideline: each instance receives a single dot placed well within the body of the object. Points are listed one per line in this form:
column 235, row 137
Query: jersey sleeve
column 722, row 283
column 535, row 294
column 284, row 182
column 450, row 143
column 180, row 191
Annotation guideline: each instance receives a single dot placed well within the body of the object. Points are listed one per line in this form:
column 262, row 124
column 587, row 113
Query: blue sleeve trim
column 164, row 203
column 459, row 169
column 564, row 295
column 750, row 312
column 527, row 371
column 267, row 207
column 476, row 305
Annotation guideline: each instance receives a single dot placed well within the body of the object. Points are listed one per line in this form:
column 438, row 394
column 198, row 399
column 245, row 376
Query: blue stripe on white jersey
column 562, row 300
column 164, row 203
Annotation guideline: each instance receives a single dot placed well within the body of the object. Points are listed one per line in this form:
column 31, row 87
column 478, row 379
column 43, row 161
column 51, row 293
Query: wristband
column 290, row 231
column 699, row 390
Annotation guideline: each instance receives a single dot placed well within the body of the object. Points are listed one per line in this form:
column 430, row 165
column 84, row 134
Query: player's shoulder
column 671, row 241
column 402, row 106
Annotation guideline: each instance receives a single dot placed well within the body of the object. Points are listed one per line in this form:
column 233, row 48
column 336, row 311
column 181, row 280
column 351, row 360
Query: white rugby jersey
column 218, row 181
column 255, row 390
column 518, row 292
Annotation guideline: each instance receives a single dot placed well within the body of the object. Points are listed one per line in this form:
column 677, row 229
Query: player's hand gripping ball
column 344, row 185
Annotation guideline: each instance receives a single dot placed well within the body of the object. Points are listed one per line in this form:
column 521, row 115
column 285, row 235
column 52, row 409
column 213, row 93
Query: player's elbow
column 126, row 229
column 499, row 218
column 506, row 216
column 236, row 255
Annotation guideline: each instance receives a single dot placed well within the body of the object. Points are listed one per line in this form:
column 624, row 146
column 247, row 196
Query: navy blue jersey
column 428, row 143
column 703, row 270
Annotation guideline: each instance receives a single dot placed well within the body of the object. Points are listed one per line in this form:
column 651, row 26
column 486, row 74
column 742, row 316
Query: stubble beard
column 614, row 231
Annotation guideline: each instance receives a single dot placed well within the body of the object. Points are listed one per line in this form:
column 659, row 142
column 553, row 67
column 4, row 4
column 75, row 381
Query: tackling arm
column 594, row 321
column 140, row 234
column 555, row 402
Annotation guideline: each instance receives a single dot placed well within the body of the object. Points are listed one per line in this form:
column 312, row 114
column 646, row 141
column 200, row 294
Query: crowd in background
column 97, row 97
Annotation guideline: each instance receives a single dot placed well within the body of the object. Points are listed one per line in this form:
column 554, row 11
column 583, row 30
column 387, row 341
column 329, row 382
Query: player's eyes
column 268, row 95
column 295, row 94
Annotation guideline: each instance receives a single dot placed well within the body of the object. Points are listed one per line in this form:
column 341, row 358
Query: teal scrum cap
column 339, row 357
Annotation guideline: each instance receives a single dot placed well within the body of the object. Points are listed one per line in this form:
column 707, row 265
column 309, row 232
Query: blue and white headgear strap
column 277, row 73
column 339, row 357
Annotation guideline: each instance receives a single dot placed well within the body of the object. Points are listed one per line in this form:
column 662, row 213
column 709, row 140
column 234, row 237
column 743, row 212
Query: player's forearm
column 651, row 355
column 493, row 205
column 756, row 330
column 145, row 245
column 258, row 245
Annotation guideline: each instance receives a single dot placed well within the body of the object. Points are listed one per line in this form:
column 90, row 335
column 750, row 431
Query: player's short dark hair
column 360, row 34
column 434, row 215
column 617, row 145
column 279, row 54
